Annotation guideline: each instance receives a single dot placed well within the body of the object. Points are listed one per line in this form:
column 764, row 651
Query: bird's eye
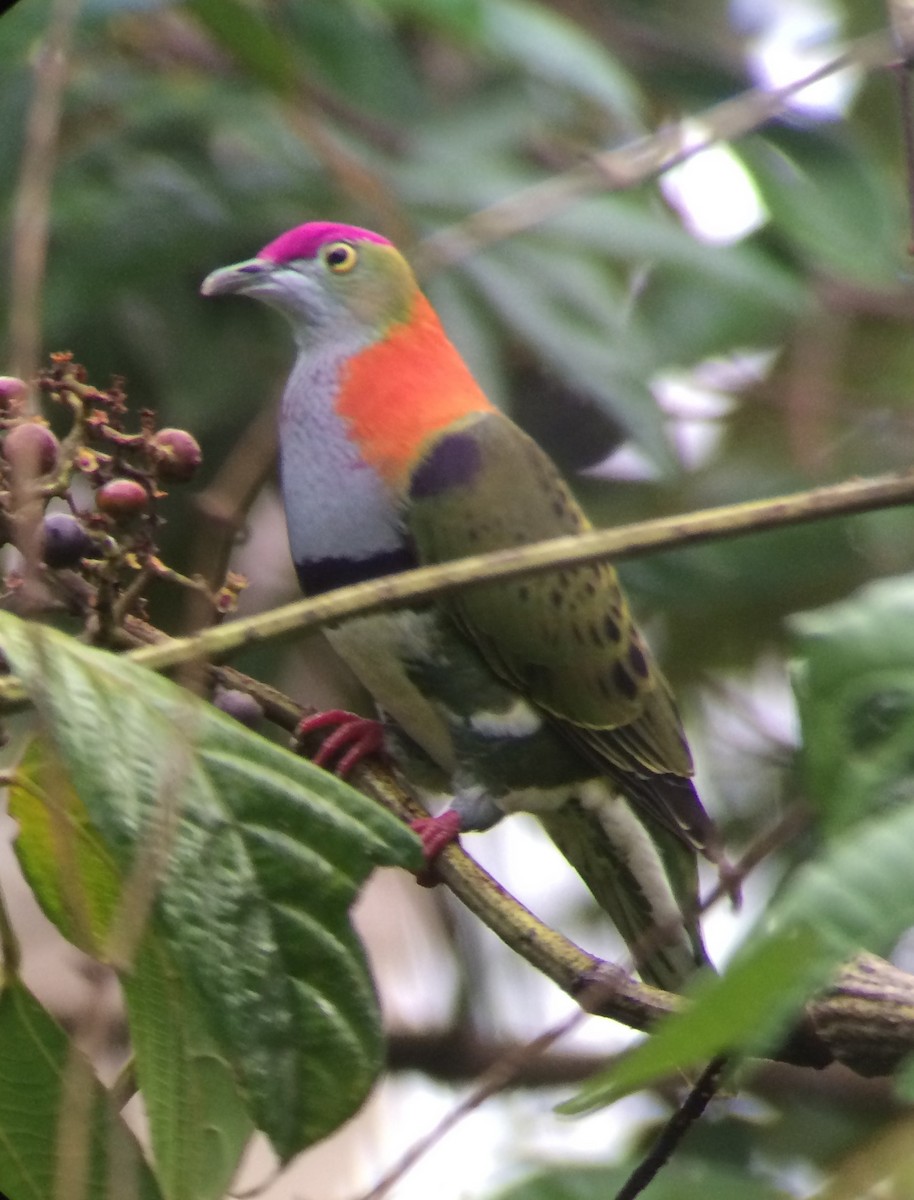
column 341, row 257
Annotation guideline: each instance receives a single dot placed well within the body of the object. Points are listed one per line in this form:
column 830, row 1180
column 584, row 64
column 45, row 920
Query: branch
column 31, row 207
column 631, row 541
column 864, row 1020
column 673, row 1132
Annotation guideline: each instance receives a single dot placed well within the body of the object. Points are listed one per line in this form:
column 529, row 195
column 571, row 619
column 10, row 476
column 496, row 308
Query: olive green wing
column 565, row 638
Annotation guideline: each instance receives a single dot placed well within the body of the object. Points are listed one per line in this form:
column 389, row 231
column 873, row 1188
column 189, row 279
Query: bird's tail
column 643, row 877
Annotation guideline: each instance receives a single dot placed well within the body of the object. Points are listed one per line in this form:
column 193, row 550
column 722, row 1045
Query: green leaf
column 250, row 857
column 745, row 1005
column 456, row 17
column 61, row 856
column 197, row 1116
column 198, row 1123
column 546, row 44
column 60, row 1135
column 695, row 299
column 251, row 40
column 855, row 693
column 827, row 199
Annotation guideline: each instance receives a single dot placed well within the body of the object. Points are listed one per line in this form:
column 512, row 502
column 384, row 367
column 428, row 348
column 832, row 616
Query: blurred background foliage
column 739, row 328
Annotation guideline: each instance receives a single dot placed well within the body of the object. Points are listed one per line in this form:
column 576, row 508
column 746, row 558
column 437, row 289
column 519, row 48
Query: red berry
column 31, row 448
column 177, row 454
column 122, row 498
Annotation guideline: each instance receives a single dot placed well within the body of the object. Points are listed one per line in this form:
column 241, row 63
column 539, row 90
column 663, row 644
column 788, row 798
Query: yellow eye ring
column 341, row 257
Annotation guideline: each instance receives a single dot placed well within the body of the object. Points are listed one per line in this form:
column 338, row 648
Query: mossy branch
column 864, row 1020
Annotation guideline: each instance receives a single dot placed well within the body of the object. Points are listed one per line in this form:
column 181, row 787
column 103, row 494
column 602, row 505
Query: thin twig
column 495, row 1080
column 631, row 541
column 223, row 507
column 674, row 1131
column 31, row 207
column 903, row 78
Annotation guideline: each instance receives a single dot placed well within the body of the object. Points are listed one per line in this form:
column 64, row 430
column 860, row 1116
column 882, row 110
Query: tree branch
column 865, row 1020
column 631, row 541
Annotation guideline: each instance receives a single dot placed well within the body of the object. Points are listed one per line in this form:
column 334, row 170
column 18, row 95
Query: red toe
column 435, row 833
column 353, row 738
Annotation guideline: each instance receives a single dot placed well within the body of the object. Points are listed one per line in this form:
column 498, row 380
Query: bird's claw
column 353, row 737
column 435, row 834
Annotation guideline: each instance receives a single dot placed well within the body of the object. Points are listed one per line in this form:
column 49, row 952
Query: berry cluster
column 83, row 510
column 113, row 518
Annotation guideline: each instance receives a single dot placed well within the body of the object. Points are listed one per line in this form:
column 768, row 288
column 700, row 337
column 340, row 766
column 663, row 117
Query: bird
column 534, row 694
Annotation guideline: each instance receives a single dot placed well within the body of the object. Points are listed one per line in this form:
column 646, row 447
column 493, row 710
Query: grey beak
column 236, row 278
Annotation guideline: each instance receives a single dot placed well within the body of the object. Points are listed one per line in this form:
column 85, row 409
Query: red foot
column 435, row 833
column 357, row 737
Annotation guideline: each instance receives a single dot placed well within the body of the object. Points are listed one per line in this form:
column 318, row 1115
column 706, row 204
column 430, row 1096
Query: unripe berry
column 240, row 705
column 31, row 448
column 122, row 498
column 177, row 454
column 65, row 540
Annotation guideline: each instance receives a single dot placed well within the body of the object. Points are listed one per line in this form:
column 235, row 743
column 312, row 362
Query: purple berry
column 65, row 540
column 240, row 705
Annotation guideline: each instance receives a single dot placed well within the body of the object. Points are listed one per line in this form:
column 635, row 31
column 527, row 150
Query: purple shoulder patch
column 305, row 240
column 454, row 462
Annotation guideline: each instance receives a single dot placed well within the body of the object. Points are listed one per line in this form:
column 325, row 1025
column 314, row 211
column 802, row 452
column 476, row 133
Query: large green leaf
column 631, row 229
column 250, row 859
column 826, row 199
column 198, row 1121
column 725, row 1014
column 198, row 1117
column 250, row 39
column 855, row 690
column 547, row 45
column 60, row 1134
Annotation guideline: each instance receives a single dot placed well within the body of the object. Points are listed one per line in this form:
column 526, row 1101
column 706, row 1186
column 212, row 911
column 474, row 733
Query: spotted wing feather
column 565, row 638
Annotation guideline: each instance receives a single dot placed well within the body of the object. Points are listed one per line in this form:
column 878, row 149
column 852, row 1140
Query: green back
column 565, row 638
